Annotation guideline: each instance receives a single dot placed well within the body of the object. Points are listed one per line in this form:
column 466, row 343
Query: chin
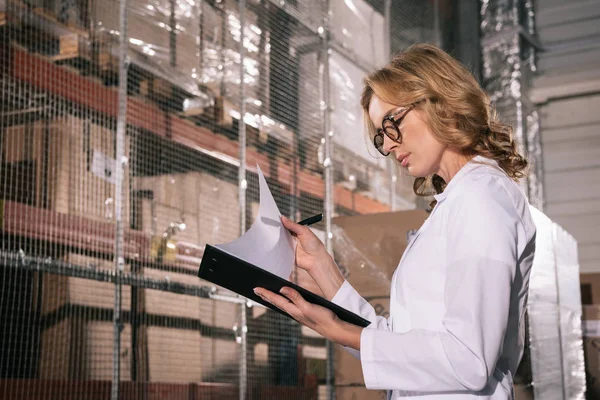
column 416, row 172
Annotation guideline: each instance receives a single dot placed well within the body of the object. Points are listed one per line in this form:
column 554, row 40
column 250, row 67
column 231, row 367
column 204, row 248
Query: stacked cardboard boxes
column 77, row 336
column 66, row 164
column 208, row 207
column 70, row 165
column 180, row 353
column 78, row 341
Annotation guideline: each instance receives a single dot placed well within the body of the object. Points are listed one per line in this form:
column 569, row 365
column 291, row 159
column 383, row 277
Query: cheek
column 427, row 153
column 422, row 144
column 431, row 146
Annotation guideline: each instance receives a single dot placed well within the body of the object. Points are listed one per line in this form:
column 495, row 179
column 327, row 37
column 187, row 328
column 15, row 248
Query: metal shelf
column 44, row 75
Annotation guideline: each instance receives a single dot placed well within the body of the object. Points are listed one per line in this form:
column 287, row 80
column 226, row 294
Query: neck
column 451, row 162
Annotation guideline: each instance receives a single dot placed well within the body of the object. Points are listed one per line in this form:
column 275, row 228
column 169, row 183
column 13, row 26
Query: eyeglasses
column 389, row 126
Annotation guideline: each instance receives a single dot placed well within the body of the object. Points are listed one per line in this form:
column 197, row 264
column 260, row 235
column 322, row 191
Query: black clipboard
column 241, row 277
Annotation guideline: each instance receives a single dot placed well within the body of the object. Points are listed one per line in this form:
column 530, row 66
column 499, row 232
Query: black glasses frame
column 390, row 127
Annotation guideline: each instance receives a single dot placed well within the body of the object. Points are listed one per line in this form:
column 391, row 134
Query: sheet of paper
column 267, row 244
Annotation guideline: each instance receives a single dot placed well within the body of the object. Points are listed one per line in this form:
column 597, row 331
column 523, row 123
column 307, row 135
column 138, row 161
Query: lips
column 403, row 159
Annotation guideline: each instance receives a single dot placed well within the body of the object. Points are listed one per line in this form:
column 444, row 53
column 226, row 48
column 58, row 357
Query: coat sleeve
column 349, row 298
column 481, row 263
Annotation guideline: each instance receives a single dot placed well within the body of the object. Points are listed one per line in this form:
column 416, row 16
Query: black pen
column 311, row 220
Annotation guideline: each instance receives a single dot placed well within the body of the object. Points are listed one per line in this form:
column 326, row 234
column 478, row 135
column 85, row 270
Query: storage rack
column 57, row 78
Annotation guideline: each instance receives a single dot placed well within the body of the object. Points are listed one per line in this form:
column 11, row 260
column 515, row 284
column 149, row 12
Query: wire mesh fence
column 125, row 151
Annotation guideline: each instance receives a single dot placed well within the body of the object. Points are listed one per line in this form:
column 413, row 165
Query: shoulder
column 488, row 215
column 487, row 192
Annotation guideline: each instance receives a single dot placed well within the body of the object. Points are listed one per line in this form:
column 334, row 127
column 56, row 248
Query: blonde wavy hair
column 458, row 111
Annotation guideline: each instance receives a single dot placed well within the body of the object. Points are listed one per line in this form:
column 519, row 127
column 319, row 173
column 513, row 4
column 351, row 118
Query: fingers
column 293, row 303
column 278, row 301
column 318, row 318
column 293, row 295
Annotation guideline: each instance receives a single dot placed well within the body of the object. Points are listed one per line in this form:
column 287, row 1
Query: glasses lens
column 391, row 130
column 378, row 142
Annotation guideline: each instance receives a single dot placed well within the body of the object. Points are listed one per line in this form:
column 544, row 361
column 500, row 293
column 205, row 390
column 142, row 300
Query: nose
column 389, row 144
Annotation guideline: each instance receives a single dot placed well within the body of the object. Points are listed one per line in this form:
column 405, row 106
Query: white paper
column 103, row 167
column 267, row 244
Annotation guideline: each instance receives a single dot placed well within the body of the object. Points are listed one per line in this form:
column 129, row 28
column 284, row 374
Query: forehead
column 379, row 109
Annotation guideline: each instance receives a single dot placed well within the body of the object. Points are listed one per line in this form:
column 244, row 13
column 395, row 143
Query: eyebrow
column 387, row 114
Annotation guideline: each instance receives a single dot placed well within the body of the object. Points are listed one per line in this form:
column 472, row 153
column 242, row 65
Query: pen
column 311, row 220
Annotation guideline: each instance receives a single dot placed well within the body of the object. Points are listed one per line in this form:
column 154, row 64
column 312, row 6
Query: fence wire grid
column 130, row 136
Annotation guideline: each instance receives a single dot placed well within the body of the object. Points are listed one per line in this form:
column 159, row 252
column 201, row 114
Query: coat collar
column 474, row 163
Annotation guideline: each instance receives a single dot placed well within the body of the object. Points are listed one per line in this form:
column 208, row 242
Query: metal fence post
column 325, row 103
column 387, row 36
column 243, row 184
column 120, row 161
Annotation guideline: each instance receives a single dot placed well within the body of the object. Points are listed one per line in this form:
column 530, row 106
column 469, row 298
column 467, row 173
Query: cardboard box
column 66, row 164
column 347, row 369
column 590, row 288
column 22, row 162
column 179, row 353
column 591, row 347
column 73, row 345
column 223, row 109
column 156, row 89
column 92, row 293
column 98, row 351
column 218, row 210
column 73, row 348
column 103, row 58
column 178, row 191
column 174, row 355
column 210, row 312
column 368, row 248
column 55, row 351
column 59, row 291
column 156, row 219
column 220, row 360
column 359, row 393
column 523, row 392
column 208, row 205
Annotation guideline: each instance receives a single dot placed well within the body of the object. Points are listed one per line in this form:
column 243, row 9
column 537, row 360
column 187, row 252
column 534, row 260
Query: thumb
column 293, row 227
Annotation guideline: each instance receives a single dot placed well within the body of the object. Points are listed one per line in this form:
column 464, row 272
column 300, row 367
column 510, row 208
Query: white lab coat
column 458, row 296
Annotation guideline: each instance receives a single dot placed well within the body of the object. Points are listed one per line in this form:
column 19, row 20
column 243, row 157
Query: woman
column 458, row 296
